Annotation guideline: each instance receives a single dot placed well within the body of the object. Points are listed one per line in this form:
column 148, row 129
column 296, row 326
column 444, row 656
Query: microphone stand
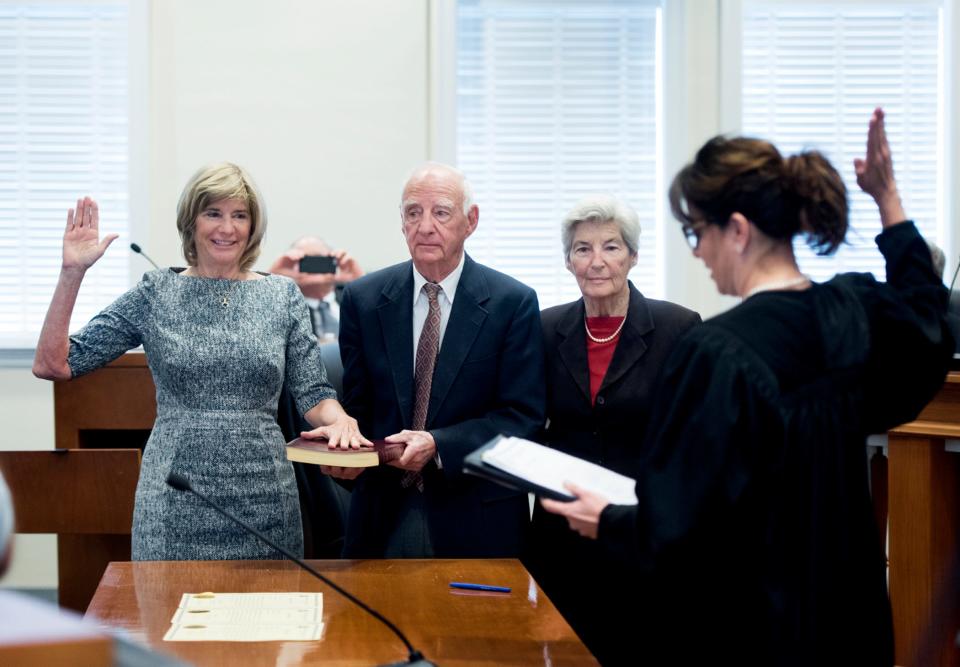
column 414, row 657
column 136, row 248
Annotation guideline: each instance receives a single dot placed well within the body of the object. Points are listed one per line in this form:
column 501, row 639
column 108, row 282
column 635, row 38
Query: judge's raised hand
column 583, row 514
column 82, row 245
column 875, row 172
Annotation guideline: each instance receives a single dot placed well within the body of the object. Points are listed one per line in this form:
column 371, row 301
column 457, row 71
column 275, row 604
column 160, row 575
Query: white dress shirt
column 421, row 306
column 421, row 303
column 331, row 300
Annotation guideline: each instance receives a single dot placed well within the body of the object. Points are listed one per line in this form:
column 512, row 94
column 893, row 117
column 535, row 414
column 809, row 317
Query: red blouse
column 599, row 355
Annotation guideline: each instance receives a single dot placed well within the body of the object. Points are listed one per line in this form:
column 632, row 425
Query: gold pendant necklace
column 224, row 296
column 227, row 294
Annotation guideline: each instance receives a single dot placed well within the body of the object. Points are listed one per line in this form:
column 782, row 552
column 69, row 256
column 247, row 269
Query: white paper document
column 550, row 468
column 251, row 601
column 242, row 633
column 247, row 617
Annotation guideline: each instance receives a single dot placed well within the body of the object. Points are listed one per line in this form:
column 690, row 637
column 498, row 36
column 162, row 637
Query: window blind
column 63, row 134
column 555, row 101
column 812, row 74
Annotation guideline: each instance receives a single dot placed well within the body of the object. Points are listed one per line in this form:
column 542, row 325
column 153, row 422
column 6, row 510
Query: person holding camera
column 320, row 273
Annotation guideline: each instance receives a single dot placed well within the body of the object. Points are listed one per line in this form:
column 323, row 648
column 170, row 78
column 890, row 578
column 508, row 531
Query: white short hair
column 466, row 189
column 602, row 208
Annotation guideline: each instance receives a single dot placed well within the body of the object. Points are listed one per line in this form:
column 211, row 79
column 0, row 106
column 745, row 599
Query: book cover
column 317, row 453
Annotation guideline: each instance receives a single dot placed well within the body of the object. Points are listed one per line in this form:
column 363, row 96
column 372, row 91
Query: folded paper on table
column 247, row 617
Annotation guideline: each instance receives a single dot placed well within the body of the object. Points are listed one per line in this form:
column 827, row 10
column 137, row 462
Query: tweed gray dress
column 219, row 351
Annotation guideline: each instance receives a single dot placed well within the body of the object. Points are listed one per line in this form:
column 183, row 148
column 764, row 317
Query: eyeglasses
column 693, row 232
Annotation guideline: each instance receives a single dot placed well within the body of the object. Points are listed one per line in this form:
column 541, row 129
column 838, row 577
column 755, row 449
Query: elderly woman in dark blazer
column 603, row 353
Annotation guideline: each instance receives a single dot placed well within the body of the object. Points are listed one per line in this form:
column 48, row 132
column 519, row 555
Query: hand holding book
column 418, row 448
column 583, row 513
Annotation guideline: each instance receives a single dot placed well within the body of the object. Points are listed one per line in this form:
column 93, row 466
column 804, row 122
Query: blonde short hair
column 213, row 183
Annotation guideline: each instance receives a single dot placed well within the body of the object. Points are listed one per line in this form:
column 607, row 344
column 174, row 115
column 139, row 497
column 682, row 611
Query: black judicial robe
column 754, row 518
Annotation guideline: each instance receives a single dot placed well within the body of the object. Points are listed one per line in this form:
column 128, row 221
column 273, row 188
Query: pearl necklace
column 777, row 285
column 608, row 338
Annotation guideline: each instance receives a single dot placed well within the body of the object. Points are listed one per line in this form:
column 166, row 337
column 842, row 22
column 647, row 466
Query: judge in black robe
column 754, row 517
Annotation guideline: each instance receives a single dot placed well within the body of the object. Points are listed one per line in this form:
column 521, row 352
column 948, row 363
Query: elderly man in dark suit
column 442, row 354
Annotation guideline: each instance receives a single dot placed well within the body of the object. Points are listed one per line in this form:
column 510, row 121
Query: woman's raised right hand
column 82, row 245
column 875, row 172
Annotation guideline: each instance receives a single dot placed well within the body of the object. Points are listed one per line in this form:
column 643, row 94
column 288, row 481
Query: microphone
column 134, row 247
column 414, row 657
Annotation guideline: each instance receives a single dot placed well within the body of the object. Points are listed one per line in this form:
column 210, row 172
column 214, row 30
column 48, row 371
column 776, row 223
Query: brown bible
column 317, row 453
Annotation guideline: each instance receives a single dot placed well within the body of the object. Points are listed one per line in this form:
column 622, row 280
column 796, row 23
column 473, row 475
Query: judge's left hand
column 583, row 514
column 419, row 451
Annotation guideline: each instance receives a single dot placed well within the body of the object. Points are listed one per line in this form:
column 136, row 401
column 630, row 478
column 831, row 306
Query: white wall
column 326, row 103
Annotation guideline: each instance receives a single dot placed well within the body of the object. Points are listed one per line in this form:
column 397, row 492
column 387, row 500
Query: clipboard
column 473, row 464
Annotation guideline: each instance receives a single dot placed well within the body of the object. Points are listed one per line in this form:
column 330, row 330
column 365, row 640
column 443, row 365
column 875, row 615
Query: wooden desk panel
column 119, row 396
column 73, row 491
column 450, row 628
column 86, row 499
column 924, row 514
column 113, row 407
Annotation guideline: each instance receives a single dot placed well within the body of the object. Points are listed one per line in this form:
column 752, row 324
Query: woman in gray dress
column 220, row 339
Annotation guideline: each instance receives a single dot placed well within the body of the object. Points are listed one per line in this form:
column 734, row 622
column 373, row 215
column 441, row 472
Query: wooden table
column 924, row 511
column 449, row 627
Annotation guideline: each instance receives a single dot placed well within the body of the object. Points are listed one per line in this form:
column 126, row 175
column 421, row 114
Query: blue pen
column 479, row 587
